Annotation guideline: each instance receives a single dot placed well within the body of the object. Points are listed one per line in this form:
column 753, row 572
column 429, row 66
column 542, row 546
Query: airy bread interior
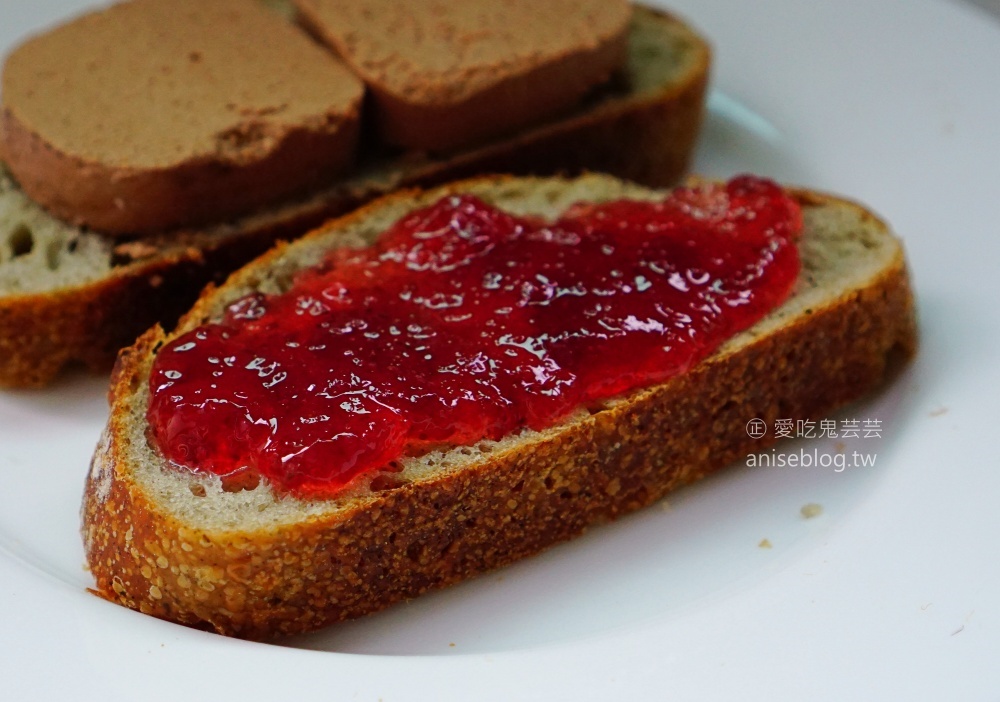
column 39, row 252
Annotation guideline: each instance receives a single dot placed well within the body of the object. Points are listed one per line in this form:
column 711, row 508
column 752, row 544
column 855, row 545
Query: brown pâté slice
column 445, row 75
column 156, row 114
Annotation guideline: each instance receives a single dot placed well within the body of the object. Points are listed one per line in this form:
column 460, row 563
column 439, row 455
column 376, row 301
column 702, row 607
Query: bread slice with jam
column 256, row 563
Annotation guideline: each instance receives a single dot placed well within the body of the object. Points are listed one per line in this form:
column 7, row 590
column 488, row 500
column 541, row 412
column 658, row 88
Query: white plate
column 891, row 593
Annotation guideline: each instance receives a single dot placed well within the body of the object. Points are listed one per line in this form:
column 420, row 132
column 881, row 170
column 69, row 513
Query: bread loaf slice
column 71, row 296
column 255, row 565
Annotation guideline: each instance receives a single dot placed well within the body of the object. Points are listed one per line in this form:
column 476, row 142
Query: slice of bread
column 255, row 565
column 448, row 75
column 71, row 296
column 144, row 116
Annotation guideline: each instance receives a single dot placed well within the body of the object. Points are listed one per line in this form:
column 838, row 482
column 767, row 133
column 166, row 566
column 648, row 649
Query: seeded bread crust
column 643, row 131
column 256, row 566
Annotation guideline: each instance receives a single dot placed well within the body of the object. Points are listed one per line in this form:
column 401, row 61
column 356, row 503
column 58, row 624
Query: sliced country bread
column 71, row 296
column 256, row 565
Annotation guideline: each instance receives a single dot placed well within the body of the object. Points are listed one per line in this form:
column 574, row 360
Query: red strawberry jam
column 466, row 323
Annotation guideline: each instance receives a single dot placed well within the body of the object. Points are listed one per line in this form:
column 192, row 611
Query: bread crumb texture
column 40, row 253
column 811, row 510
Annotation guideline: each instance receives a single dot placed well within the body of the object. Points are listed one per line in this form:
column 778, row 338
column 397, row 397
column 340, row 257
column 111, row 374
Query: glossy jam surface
column 466, row 323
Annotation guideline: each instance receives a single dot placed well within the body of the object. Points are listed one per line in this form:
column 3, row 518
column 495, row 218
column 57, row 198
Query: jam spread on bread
column 463, row 323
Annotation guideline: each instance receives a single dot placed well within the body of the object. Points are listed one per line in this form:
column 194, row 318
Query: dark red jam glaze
column 466, row 323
